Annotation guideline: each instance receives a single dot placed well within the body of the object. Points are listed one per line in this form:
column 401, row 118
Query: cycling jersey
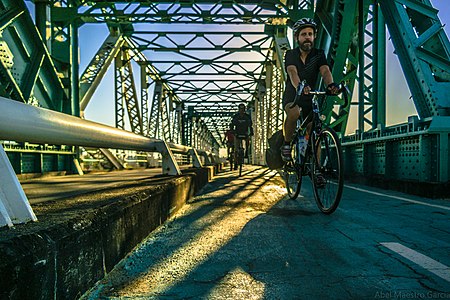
column 242, row 124
column 308, row 71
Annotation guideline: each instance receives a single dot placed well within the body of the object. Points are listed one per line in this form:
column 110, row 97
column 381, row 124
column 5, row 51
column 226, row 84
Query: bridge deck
column 241, row 238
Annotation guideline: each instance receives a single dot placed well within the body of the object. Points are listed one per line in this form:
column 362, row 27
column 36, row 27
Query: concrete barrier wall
column 77, row 241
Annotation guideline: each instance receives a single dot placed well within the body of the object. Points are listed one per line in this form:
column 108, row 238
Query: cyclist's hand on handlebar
column 303, row 88
column 306, row 89
column 333, row 88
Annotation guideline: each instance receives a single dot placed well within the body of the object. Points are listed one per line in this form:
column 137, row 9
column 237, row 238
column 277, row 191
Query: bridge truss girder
column 27, row 71
column 423, row 49
column 350, row 29
column 126, row 96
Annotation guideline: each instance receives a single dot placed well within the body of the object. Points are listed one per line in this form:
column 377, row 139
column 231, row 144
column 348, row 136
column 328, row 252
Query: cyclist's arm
column 293, row 75
column 326, row 75
column 232, row 124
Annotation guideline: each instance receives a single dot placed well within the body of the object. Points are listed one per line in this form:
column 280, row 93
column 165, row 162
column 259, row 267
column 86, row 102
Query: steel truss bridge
column 182, row 67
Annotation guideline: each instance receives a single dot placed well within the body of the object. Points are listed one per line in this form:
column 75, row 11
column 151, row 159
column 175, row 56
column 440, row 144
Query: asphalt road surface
column 242, row 238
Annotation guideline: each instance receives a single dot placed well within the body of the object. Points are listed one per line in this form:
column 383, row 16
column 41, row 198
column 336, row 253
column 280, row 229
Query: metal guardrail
column 25, row 123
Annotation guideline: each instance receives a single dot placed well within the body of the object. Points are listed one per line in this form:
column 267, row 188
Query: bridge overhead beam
column 181, row 11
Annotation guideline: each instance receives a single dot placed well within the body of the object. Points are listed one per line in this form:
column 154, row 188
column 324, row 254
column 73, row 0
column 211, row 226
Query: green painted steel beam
column 423, row 50
column 34, row 79
column 204, row 12
column 333, row 16
column 94, row 72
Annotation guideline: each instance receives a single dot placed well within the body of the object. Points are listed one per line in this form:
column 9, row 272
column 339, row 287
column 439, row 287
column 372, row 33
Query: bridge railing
column 413, row 156
column 25, row 123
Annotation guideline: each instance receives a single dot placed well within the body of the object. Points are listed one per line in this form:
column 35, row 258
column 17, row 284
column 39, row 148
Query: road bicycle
column 319, row 157
column 239, row 161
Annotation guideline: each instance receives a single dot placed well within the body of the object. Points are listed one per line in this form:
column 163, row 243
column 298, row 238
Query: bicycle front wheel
column 327, row 170
column 293, row 180
column 240, row 169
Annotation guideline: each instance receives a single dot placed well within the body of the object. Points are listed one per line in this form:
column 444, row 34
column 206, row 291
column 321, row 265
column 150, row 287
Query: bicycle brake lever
column 299, row 92
column 300, row 87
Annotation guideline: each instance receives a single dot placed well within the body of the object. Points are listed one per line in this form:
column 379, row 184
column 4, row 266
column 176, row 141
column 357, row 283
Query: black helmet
column 303, row 23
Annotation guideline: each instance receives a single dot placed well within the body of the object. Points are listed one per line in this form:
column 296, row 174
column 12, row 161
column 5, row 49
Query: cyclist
column 303, row 63
column 229, row 138
column 241, row 124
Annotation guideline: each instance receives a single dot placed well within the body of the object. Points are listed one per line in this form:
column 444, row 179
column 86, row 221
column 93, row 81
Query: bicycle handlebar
column 342, row 89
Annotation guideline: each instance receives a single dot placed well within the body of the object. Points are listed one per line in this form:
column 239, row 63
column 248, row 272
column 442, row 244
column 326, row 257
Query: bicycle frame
column 322, row 161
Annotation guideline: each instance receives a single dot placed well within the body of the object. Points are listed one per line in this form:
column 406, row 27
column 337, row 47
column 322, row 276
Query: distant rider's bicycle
column 231, row 157
column 320, row 157
column 239, row 161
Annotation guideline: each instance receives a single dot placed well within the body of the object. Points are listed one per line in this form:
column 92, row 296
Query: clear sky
column 399, row 104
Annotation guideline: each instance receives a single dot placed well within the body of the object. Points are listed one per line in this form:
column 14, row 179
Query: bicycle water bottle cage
column 303, row 144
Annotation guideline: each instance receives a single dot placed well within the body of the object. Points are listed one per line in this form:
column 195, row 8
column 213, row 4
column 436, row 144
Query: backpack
column 273, row 153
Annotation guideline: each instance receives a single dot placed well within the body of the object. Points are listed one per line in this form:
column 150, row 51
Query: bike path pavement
column 242, row 238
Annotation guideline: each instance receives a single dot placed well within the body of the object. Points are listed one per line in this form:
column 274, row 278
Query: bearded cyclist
column 303, row 63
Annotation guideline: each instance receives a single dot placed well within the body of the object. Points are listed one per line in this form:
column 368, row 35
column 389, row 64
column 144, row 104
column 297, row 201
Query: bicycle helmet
column 303, row 23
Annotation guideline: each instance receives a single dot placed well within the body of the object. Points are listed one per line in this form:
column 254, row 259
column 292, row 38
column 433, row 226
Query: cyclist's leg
column 292, row 115
column 247, row 143
column 241, row 151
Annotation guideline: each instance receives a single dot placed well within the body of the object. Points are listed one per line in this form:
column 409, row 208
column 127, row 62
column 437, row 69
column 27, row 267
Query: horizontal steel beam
column 26, row 123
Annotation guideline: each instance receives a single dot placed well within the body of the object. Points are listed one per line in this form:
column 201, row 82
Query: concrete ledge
column 77, row 241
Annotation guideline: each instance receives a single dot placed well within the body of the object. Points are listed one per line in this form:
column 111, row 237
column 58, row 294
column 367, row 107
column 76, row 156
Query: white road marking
column 424, row 261
column 399, row 198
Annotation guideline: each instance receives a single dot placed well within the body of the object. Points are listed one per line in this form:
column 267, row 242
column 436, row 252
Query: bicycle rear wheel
column 231, row 160
column 292, row 174
column 327, row 170
column 241, row 160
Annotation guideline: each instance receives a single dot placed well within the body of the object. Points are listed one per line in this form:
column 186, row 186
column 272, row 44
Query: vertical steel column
column 361, row 78
column 74, row 66
column 144, row 99
column 119, row 97
column 379, row 71
column 40, row 11
column 177, row 129
column 154, row 130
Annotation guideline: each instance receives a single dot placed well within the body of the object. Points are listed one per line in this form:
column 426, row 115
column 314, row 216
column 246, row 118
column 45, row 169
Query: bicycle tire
column 329, row 163
column 293, row 181
column 292, row 175
column 240, row 160
column 231, row 161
